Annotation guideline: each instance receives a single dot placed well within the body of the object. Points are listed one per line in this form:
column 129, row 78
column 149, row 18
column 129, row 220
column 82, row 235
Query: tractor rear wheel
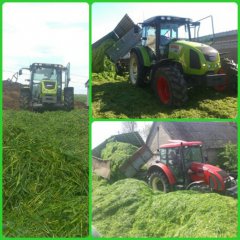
column 159, row 182
column 24, row 100
column 170, row 86
column 69, row 98
column 137, row 72
column 229, row 67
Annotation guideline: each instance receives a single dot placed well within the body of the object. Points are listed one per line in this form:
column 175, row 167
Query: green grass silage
column 98, row 56
column 118, row 153
column 129, row 208
column 45, row 174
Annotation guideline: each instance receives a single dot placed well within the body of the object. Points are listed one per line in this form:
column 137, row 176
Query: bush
column 228, row 158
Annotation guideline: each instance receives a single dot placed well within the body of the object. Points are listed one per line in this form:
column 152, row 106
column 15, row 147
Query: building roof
column 212, row 134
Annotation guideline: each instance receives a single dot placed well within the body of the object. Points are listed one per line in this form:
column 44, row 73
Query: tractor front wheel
column 69, row 98
column 24, row 101
column 169, row 86
column 159, row 182
column 137, row 72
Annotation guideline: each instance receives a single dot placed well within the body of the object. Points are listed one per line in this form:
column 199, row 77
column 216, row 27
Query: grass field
column 117, row 98
column 45, row 174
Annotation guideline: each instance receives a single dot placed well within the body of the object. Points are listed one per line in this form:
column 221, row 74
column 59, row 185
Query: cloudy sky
column 105, row 16
column 49, row 33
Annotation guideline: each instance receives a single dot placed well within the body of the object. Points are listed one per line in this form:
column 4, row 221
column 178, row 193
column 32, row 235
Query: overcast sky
column 101, row 130
column 49, row 33
column 105, row 16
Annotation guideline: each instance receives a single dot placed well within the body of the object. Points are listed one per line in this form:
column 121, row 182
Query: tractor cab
column 158, row 32
column 179, row 156
column 48, row 85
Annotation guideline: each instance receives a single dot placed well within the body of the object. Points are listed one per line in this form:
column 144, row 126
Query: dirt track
column 11, row 91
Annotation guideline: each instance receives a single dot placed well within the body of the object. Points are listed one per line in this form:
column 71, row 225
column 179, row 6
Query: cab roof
column 166, row 19
column 178, row 143
column 47, row 65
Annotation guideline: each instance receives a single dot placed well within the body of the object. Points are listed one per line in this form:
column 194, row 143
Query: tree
column 128, row 127
column 227, row 158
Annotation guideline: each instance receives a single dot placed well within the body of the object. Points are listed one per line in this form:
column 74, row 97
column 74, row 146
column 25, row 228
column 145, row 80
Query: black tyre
column 69, row 98
column 158, row 181
column 137, row 72
column 25, row 98
column 230, row 68
column 169, row 86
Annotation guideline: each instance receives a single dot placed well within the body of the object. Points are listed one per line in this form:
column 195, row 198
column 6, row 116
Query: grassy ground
column 80, row 98
column 117, row 98
column 45, row 174
column 129, row 208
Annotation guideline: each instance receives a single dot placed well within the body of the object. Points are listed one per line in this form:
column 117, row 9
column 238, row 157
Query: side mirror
column 20, row 72
column 136, row 29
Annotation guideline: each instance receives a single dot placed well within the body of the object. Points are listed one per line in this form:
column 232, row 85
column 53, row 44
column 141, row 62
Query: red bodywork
column 211, row 175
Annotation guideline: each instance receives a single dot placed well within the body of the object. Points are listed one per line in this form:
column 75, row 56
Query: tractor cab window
column 149, row 37
column 192, row 154
column 45, row 74
column 163, row 155
column 173, row 156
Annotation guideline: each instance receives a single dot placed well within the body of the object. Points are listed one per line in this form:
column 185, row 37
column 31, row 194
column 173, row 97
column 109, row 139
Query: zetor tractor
column 48, row 87
column 182, row 166
column 172, row 61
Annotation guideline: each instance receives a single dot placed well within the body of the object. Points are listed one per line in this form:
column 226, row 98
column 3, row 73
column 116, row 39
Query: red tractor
column 182, row 166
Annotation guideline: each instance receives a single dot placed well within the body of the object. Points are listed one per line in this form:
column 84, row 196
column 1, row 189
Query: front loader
column 48, row 87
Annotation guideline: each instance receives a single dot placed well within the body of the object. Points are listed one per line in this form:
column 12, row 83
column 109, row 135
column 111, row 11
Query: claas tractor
column 48, row 87
column 172, row 60
column 182, row 166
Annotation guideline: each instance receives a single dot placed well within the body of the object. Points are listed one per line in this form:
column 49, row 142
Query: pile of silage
column 99, row 55
column 45, row 174
column 118, row 153
column 129, row 208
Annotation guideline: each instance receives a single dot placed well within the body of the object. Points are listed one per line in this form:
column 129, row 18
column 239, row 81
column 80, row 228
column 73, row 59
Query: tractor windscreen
column 171, row 31
column 192, row 154
column 45, row 74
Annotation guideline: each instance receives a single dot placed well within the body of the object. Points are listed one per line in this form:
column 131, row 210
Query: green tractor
column 172, row 61
column 48, row 87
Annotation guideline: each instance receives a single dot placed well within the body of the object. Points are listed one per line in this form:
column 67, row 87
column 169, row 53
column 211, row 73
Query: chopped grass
column 45, row 174
column 118, row 153
column 115, row 97
column 129, row 208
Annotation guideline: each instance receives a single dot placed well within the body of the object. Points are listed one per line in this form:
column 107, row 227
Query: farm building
column 213, row 135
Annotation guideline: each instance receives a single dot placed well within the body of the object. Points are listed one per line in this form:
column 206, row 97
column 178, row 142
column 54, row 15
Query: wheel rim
column 157, row 184
column 221, row 87
column 133, row 70
column 163, row 89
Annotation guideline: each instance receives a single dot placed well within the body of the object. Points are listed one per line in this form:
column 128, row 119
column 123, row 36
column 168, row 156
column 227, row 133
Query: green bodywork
column 45, row 91
column 179, row 51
